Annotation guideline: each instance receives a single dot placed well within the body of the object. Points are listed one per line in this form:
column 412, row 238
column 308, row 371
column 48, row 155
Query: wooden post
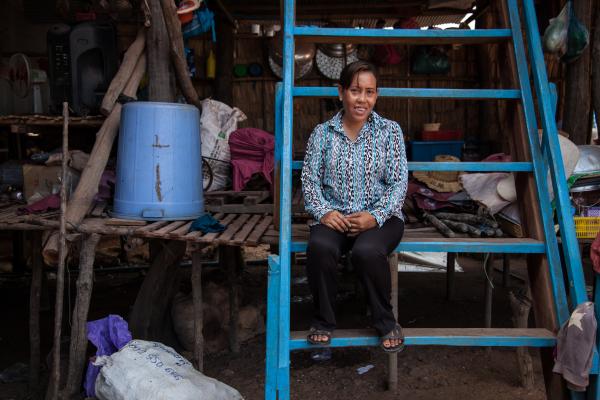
column 232, row 260
column 52, row 393
column 537, row 264
column 520, row 306
column 224, row 56
column 85, row 283
column 151, row 315
column 393, row 357
column 488, row 268
column 576, row 115
column 505, row 270
column 37, row 266
column 198, row 312
column 450, row 270
column 160, row 84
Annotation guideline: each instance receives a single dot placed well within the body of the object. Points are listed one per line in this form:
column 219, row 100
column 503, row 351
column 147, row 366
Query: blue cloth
column 368, row 174
column 206, row 224
column 109, row 335
column 202, row 21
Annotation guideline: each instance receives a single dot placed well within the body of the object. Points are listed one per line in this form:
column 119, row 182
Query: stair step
column 460, row 245
column 316, row 34
column 493, row 337
column 417, row 93
column 459, row 166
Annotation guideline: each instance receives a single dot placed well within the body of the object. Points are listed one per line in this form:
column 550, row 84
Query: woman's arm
column 312, row 175
column 396, row 178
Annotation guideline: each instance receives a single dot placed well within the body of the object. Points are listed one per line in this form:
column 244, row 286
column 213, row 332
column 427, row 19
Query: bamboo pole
column 52, row 393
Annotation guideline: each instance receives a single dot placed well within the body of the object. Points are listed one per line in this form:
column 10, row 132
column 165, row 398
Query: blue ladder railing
column 544, row 157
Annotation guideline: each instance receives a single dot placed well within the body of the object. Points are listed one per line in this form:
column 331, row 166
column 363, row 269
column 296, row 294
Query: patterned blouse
column 369, row 174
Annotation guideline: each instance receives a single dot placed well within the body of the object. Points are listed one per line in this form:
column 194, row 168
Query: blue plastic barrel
column 159, row 165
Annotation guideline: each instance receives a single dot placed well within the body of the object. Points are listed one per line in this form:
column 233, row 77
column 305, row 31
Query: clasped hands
column 352, row 224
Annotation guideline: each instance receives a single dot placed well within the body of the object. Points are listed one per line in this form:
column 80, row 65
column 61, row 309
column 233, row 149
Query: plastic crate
column 426, row 151
column 587, row 227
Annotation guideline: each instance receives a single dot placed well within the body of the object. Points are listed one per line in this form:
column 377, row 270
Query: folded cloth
column 575, row 347
column 206, row 224
column 51, row 202
column 252, row 151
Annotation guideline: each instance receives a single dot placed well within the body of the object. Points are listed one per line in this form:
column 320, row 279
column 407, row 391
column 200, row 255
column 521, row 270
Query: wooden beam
column 576, row 115
column 198, row 312
column 161, row 86
column 37, row 266
column 118, row 83
column 177, row 53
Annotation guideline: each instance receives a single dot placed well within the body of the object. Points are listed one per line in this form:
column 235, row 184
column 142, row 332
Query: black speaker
column 83, row 61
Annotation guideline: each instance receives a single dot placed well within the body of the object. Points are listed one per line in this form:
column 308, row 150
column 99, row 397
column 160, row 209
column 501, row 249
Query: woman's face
column 359, row 99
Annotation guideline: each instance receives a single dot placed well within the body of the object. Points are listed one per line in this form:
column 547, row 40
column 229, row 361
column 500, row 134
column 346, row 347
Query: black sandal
column 318, row 332
column 395, row 334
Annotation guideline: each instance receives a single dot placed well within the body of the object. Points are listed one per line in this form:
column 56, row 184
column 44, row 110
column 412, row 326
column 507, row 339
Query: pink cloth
column 252, row 151
column 48, row 203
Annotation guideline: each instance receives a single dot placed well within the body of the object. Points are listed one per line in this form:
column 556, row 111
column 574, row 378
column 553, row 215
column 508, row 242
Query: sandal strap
column 395, row 333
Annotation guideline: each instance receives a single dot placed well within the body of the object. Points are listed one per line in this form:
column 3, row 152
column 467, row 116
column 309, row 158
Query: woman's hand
column 361, row 221
column 336, row 220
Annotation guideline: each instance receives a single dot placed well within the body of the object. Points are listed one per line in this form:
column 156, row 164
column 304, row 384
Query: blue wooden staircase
column 541, row 158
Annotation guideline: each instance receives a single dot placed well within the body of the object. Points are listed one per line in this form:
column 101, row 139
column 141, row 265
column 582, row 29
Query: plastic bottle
column 211, row 65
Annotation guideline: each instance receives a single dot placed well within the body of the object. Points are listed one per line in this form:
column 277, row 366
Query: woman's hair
column 349, row 72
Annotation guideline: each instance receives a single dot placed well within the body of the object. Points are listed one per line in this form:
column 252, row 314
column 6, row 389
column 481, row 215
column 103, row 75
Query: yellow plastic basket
column 587, row 227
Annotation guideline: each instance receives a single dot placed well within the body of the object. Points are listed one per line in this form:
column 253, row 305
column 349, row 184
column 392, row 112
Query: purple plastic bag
column 109, row 335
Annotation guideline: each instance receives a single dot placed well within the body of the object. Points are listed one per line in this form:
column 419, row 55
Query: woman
column 354, row 182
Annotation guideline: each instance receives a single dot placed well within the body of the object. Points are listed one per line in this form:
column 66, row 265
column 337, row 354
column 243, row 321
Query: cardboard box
column 46, row 180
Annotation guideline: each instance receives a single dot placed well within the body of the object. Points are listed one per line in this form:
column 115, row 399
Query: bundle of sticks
column 448, row 224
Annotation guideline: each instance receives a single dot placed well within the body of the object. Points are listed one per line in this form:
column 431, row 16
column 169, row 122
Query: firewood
column 440, row 226
column 468, row 218
column 456, row 226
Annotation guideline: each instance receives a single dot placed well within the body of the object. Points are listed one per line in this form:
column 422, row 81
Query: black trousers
column 370, row 250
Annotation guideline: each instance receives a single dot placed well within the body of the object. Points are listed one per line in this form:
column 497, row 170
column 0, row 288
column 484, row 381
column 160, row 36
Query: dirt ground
column 423, row 372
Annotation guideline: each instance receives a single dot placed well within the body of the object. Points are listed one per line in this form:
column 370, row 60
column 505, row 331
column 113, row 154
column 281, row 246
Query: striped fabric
column 369, row 174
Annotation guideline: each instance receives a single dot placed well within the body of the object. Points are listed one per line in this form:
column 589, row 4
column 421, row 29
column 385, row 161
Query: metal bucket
column 159, row 165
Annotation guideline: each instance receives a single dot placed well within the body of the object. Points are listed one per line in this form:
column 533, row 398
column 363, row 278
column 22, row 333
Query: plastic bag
column 556, row 34
column 217, row 122
column 578, row 39
column 431, row 60
column 144, row 370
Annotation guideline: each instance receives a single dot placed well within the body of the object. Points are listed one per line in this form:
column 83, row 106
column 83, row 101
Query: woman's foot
column 319, row 336
column 393, row 342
